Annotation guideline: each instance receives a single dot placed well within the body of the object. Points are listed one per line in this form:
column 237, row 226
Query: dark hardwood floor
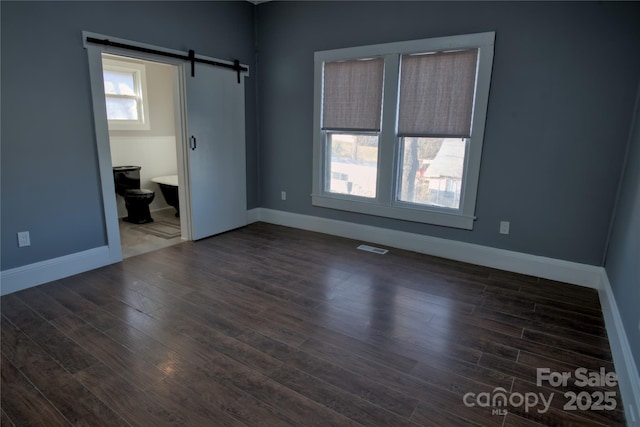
column 268, row 325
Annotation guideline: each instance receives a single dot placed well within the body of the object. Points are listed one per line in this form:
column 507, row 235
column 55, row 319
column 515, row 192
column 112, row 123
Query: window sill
column 119, row 125
column 446, row 219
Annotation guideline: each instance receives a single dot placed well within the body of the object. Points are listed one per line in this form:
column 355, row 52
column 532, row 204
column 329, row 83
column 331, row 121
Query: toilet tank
column 126, row 178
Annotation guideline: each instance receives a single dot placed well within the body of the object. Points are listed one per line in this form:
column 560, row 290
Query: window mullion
column 387, row 143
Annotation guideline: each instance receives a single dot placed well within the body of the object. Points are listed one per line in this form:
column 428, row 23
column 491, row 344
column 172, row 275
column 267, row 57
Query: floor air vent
column 372, row 249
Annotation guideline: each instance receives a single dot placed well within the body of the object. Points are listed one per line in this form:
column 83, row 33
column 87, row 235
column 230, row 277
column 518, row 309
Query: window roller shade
column 436, row 94
column 352, row 95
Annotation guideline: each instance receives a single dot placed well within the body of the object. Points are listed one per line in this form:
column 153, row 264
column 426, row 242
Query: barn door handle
column 192, row 142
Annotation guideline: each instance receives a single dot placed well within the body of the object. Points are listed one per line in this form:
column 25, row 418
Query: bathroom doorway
column 143, row 130
column 209, row 121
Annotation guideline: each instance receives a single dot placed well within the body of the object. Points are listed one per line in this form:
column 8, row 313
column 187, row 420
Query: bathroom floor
column 139, row 239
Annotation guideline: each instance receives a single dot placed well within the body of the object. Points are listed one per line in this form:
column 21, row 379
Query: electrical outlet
column 504, row 227
column 283, row 195
column 23, row 239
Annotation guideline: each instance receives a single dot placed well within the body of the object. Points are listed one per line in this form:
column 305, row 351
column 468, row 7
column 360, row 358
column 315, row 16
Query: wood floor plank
column 167, row 360
column 217, row 342
column 23, row 403
column 561, row 325
column 442, row 374
column 542, row 361
column 65, row 297
column 43, row 304
column 136, row 406
column 435, row 414
column 294, row 406
column 70, row 398
column 166, row 332
column 5, row 420
column 137, row 370
column 80, row 306
column 269, row 325
column 336, row 329
column 182, row 401
column 555, row 314
column 306, row 323
column 218, row 319
column 335, row 398
column 228, row 398
column 361, row 386
column 561, row 293
column 598, row 350
column 89, row 286
column 56, row 344
column 566, row 354
column 573, row 305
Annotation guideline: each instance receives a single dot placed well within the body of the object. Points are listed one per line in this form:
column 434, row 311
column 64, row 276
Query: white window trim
column 139, row 72
column 385, row 203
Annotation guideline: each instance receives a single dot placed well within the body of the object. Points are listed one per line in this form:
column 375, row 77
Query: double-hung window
column 125, row 94
column 399, row 128
column 351, row 125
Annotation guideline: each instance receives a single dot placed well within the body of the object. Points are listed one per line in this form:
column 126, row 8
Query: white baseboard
column 253, row 215
column 626, row 369
column 533, row 265
column 26, row 276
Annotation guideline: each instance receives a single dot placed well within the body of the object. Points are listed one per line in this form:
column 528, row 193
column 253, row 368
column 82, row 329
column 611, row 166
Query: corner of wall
column 626, row 370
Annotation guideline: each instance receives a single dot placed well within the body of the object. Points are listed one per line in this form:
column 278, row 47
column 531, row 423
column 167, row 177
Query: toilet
column 136, row 199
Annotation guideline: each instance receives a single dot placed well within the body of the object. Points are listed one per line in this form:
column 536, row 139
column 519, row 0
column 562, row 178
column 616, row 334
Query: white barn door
column 216, row 153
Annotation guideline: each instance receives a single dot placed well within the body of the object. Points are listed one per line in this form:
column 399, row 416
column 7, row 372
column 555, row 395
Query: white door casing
column 206, row 222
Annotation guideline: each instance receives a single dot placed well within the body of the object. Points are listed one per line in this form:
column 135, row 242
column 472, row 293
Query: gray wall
column 623, row 255
column 50, row 183
column 562, row 93
column 559, row 110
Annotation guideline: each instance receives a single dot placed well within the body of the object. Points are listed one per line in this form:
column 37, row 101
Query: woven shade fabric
column 352, row 97
column 436, row 94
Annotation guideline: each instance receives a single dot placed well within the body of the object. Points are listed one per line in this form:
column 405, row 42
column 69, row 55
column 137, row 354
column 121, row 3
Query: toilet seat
column 139, row 193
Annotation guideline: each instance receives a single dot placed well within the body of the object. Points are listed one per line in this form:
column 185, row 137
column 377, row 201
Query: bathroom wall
column 154, row 149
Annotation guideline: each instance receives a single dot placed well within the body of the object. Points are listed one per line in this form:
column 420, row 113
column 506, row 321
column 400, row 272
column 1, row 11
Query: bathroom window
column 125, row 94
